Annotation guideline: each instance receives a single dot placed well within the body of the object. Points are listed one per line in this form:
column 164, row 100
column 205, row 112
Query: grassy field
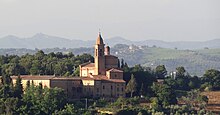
column 196, row 62
column 214, row 101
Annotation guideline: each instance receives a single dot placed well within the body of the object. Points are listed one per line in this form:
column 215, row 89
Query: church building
column 103, row 78
column 103, row 61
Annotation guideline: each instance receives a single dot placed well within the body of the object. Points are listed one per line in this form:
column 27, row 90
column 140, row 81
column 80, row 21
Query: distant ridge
column 42, row 41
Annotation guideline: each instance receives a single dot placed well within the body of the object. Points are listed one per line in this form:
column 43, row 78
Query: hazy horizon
column 167, row 20
column 113, row 37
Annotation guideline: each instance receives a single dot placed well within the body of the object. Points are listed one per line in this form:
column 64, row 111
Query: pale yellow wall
column 71, row 87
column 88, row 82
column 106, row 89
column 45, row 83
column 114, row 75
column 121, row 91
column 85, row 71
column 108, row 74
column 112, row 89
column 88, row 87
column 97, row 88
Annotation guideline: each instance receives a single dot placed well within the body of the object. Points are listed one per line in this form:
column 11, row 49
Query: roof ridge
column 86, row 63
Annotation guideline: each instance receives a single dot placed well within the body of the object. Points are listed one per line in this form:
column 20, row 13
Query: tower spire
column 99, row 40
column 99, row 56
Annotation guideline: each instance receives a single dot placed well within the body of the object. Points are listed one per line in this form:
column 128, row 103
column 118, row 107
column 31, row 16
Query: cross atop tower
column 99, row 31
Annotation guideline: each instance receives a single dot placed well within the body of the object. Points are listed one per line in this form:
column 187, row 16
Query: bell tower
column 99, row 56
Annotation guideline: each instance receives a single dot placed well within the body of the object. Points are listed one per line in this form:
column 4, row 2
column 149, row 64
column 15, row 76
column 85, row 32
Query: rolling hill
column 43, row 41
column 196, row 62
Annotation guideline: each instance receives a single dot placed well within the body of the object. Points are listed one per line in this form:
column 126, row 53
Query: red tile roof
column 103, row 78
column 88, row 64
column 34, row 77
column 66, row 78
column 115, row 70
column 116, row 80
column 50, row 77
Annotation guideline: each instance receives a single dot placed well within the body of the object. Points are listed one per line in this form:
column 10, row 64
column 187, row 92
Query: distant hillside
column 194, row 61
column 42, row 41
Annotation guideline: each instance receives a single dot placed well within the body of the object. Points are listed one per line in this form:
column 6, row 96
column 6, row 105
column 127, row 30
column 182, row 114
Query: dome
column 107, row 50
column 107, row 47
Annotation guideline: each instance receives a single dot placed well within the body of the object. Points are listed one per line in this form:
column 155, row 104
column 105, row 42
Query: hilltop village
column 103, row 78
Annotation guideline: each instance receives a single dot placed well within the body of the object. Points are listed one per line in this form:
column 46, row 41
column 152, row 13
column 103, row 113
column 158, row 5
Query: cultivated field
column 214, row 100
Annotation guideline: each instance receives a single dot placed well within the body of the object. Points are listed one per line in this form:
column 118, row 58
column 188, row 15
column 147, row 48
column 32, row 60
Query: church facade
column 103, row 78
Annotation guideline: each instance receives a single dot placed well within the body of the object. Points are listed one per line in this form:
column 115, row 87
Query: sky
column 167, row 20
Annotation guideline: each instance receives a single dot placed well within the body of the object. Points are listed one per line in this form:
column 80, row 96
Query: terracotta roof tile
column 103, row 78
column 116, row 80
column 34, row 77
column 50, row 77
column 66, row 78
column 88, row 64
column 115, row 70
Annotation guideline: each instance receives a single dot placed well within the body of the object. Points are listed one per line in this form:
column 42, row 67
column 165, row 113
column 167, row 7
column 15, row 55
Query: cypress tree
column 131, row 86
column 18, row 89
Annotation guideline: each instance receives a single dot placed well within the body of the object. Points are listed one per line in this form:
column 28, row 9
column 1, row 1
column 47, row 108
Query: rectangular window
column 103, row 87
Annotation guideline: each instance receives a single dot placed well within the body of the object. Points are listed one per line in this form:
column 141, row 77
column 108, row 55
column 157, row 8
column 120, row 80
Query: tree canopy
column 58, row 64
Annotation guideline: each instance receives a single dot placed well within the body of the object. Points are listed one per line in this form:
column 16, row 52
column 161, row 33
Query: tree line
column 57, row 64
